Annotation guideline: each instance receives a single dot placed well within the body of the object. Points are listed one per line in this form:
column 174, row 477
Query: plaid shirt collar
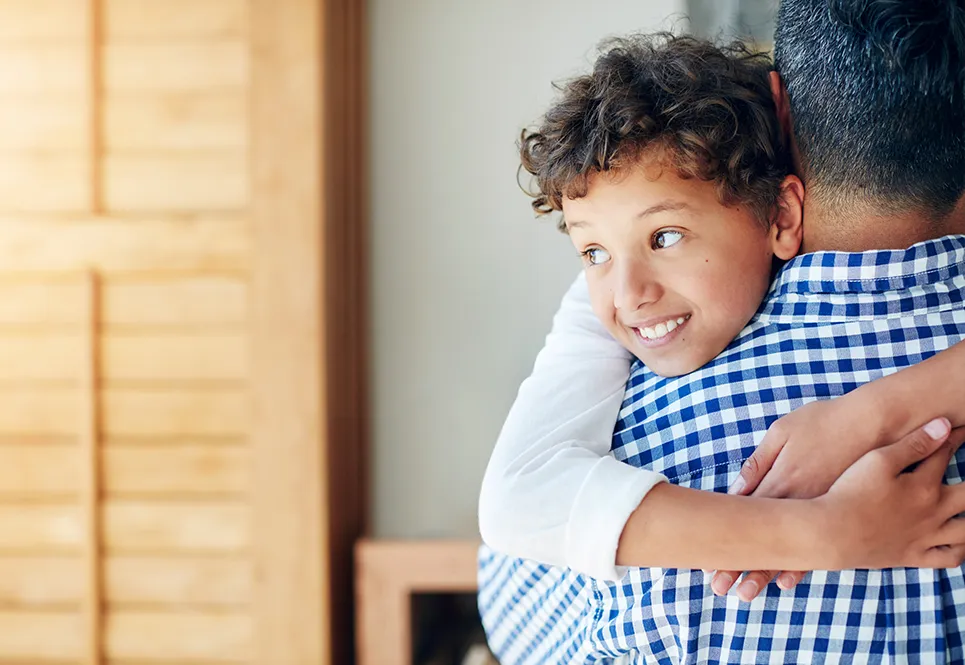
column 875, row 271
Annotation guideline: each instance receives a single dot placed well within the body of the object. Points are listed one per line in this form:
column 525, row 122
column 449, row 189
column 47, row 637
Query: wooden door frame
column 308, row 324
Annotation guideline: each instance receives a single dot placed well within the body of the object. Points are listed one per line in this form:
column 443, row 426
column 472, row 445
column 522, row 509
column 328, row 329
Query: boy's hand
column 892, row 508
column 788, row 452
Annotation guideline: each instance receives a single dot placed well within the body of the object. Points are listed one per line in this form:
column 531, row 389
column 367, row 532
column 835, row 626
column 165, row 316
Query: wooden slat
column 31, row 471
column 176, row 470
column 26, row 181
column 39, row 411
column 51, row 582
column 94, row 108
column 178, row 182
column 130, row 527
column 56, row 302
column 192, row 637
column 169, row 412
column 43, row 123
column 201, row 65
column 188, row 527
column 184, row 582
column 292, row 604
column 90, row 476
column 45, row 68
column 160, row 122
column 201, row 301
column 39, row 356
column 29, row 527
column 122, row 245
column 39, row 581
column 176, row 19
column 37, row 636
column 173, row 357
column 49, row 471
column 44, row 21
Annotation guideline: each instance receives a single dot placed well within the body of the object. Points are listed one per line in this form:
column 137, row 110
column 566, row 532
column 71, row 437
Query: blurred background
column 268, row 286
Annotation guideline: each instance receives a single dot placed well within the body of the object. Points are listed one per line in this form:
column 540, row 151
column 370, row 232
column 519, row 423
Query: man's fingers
column 723, row 581
column 759, row 463
column 916, row 446
column 754, row 583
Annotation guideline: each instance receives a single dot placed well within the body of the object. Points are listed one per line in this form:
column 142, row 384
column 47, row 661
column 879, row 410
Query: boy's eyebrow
column 663, row 206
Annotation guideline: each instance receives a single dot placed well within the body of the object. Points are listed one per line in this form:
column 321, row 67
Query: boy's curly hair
column 704, row 111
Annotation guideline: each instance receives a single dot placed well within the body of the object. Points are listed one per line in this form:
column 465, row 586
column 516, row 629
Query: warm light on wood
column 179, row 397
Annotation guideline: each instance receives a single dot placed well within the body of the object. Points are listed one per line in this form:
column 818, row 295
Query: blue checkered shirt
column 831, row 322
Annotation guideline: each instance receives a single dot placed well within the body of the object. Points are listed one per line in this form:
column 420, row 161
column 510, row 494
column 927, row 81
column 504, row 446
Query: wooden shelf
column 387, row 574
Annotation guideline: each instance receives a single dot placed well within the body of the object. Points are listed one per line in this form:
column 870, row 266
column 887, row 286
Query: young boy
column 668, row 167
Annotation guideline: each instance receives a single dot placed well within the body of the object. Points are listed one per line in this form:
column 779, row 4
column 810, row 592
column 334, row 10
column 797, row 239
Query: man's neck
column 861, row 230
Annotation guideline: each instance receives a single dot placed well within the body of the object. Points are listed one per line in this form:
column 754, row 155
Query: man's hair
column 703, row 111
column 876, row 99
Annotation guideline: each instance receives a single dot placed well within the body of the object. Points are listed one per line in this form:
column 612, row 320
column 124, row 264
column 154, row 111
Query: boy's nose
column 634, row 287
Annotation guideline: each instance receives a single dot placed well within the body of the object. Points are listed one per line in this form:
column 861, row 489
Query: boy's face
column 673, row 274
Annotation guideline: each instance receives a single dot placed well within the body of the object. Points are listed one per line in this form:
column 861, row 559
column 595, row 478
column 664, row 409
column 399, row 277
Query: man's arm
column 551, row 492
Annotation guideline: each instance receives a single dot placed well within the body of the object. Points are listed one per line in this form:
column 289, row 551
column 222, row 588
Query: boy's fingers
column 935, row 465
column 952, row 533
column 953, row 502
column 956, row 438
column 759, row 463
column 790, row 579
column 754, row 583
column 723, row 581
column 917, row 446
column 944, row 557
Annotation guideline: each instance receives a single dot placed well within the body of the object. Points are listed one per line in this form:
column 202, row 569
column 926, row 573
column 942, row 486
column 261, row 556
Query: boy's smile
column 673, row 274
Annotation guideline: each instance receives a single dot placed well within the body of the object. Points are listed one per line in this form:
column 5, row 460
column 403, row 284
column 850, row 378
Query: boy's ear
column 787, row 230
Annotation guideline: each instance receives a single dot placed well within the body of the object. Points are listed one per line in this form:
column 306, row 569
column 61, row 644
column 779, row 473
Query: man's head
column 666, row 162
column 876, row 98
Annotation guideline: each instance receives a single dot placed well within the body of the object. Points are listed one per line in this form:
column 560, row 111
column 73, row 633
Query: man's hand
column 801, row 456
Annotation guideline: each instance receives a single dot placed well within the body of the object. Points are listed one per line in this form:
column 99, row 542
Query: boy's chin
column 669, row 366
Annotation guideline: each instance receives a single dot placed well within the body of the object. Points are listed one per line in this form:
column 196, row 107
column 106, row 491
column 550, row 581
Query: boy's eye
column 594, row 256
column 665, row 239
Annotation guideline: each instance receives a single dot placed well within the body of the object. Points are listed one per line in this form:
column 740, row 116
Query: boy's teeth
column 662, row 329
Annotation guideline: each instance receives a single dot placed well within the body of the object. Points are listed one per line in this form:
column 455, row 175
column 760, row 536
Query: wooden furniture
column 181, row 330
column 388, row 574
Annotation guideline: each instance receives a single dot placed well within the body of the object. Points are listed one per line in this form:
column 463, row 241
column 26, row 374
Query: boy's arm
column 551, row 491
column 876, row 515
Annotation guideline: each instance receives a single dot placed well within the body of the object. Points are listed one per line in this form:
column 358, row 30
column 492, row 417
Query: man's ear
column 787, row 229
column 782, row 104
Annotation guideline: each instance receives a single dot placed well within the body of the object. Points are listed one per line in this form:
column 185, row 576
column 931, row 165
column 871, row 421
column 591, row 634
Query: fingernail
column 722, row 584
column 937, row 429
column 785, row 582
column 739, row 484
column 747, row 590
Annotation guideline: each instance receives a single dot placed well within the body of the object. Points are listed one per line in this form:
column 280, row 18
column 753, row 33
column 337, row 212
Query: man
column 875, row 100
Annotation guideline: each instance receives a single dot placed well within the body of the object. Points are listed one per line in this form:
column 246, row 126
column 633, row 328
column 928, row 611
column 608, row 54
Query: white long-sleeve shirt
column 552, row 492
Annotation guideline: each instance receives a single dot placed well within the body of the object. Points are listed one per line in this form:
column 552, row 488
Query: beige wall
column 464, row 280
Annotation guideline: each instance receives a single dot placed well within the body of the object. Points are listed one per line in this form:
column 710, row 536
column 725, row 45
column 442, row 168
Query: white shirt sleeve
column 552, row 492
